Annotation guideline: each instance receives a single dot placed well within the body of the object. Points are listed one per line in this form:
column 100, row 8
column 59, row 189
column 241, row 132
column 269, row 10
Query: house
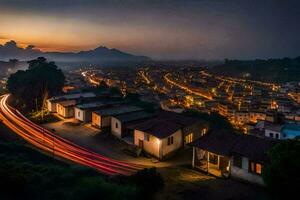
column 102, row 118
column 248, row 158
column 52, row 102
column 163, row 135
column 211, row 153
column 192, row 128
column 290, row 131
column 158, row 138
column 66, row 108
column 83, row 112
column 120, row 122
column 272, row 130
column 226, row 154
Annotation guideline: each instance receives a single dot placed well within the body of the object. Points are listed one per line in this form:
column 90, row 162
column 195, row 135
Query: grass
column 42, row 117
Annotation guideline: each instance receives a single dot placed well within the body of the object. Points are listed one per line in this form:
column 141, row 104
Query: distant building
column 273, row 130
column 290, row 131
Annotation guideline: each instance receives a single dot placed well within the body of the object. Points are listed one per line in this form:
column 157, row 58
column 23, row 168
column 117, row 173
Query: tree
column 41, row 79
column 282, row 175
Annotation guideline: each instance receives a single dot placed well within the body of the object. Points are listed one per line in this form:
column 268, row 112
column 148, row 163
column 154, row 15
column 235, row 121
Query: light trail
column 185, row 88
column 60, row 147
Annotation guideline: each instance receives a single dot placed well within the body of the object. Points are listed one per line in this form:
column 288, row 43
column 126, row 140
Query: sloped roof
column 218, row 142
column 117, row 110
column 157, row 127
column 133, row 116
column 164, row 124
column 252, row 147
column 227, row 143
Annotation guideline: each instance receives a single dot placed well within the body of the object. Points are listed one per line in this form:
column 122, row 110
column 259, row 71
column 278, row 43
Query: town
column 262, row 112
column 153, row 100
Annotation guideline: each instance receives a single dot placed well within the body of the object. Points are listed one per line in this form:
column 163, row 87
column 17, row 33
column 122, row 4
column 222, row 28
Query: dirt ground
column 186, row 183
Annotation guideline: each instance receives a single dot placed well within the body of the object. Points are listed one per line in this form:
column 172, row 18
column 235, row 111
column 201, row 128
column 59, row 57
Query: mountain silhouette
column 101, row 54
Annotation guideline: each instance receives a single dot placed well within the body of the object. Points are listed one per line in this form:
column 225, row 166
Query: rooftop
column 218, row 142
column 227, row 143
column 68, row 103
column 133, row 116
column 117, row 110
column 90, row 105
column 157, row 127
column 164, row 124
column 72, row 96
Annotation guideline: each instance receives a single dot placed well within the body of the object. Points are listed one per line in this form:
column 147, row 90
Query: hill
column 100, row 55
column 271, row 70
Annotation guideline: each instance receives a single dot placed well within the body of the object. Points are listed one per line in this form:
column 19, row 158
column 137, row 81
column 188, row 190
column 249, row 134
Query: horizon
column 162, row 30
column 30, row 46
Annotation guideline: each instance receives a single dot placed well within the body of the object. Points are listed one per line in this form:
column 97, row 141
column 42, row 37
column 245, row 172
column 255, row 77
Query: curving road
column 59, row 147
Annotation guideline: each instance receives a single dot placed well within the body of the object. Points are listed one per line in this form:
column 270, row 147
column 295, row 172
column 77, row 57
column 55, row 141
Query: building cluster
column 265, row 112
column 159, row 133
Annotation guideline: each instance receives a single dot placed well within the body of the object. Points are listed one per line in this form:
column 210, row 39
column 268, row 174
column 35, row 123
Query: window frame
column 254, row 166
column 238, row 163
column 170, row 140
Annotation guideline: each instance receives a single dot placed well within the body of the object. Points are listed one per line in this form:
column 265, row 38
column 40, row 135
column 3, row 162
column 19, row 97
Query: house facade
column 163, row 135
column 119, row 123
column 225, row 154
column 66, row 108
column 102, row 118
column 158, row 147
column 52, row 102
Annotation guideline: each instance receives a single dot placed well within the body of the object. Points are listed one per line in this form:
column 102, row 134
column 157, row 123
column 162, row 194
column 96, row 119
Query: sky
column 160, row 29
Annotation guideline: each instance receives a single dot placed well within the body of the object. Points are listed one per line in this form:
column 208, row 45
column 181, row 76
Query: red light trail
column 60, row 147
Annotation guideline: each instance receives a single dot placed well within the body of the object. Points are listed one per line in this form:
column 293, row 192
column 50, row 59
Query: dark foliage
column 149, row 181
column 134, row 98
column 271, row 70
column 41, row 79
column 282, row 175
column 215, row 120
column 27, row 174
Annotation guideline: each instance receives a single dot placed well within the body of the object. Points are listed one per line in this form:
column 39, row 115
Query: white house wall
column 177, row 143
column 117, row 131
column 243, row 173
column 79, row 114
column 151, row 146
column 158, row 147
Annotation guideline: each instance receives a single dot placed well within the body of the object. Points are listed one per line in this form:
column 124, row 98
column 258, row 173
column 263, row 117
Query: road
column 60, row 147
column 187, row 89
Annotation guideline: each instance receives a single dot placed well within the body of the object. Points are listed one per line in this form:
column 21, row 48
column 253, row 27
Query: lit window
column 189, row 138
column 258, row 168
column 255, row 168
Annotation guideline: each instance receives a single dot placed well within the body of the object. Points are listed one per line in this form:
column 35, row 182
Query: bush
column 149, row 181
column 282, row 175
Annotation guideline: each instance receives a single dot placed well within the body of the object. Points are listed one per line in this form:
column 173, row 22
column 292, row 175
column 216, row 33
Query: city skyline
column 158, row 29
